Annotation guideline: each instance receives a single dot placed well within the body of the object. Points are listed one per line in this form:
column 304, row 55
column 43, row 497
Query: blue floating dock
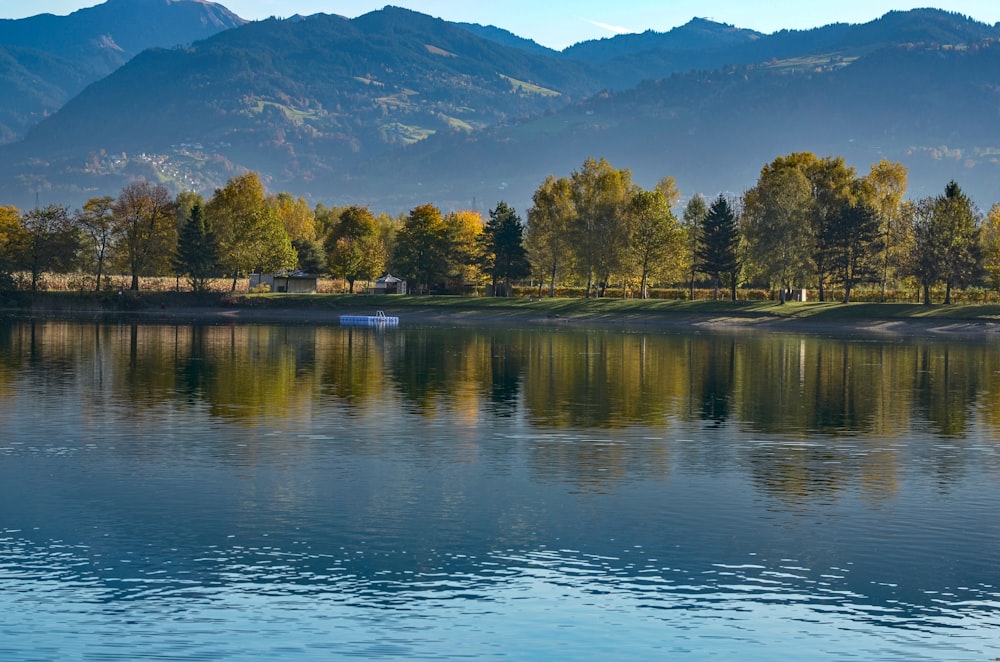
column 379, row 319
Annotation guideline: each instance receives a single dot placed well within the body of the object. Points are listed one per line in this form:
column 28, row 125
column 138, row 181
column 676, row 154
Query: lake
column 256, row 492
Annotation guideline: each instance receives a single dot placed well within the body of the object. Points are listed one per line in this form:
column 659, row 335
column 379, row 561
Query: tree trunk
column 947, row 292
column 927, row 294
column 135, row 282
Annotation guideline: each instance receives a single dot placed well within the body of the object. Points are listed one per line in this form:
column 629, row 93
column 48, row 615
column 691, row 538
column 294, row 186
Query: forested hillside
column 46, row 60
column 394, row 108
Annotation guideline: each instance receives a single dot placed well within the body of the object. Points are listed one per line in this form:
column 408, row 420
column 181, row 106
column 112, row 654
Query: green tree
column 654, row 235
column 45, row 241
column 717, row 253
column 776, row 224
column 252, row 239
column 144, row 219
column 854, row 246
column 97, row 223
column 925, row 261
column 549, row 220
column 423, row 248
column 598, row 232
column 946, row 246
column 960, row 223
column 353, row 247
column 503, row 253
column 197, row 251
column 694, row 216
column 311, row 256
column 833, row 187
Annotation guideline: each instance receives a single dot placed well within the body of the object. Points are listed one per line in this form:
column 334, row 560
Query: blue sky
column 560, row 23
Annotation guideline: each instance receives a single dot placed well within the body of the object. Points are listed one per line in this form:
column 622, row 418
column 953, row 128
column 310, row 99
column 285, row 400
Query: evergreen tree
column 503, row 253
column 197, row 251
column 717, row 252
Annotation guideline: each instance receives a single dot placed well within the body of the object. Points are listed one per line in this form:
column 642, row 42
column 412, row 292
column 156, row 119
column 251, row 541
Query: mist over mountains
column 395, row 108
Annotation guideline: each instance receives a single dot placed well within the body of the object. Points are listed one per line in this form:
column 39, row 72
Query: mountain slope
column 395, row 109
column 702, row 44
column 935, row 109
column 303, row 98
column 45, row 60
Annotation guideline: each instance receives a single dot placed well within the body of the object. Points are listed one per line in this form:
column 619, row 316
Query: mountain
column 395, row 108
column 45, row 60
column 932, row 108
column 508, row 38
column 296, row 99
column 702, row 44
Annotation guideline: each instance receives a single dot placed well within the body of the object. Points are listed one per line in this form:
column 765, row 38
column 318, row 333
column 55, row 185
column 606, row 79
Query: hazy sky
column 560, row 23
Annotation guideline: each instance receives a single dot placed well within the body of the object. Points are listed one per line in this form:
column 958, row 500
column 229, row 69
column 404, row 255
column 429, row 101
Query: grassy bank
column 489, row 309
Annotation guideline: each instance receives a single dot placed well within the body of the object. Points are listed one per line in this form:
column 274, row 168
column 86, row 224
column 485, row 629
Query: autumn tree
column 465, row 227
column 547, row 241
column 654, row 235
column 990, row 240
column 100, row 233
column 197, row 251
column 717, row 252
column 502, row 248
column 297, row 217
column 10, row 228
column 882, row 189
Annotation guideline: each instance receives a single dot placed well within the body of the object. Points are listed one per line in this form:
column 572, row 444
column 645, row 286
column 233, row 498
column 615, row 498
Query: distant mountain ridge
column 45, row 60
column 395, row 108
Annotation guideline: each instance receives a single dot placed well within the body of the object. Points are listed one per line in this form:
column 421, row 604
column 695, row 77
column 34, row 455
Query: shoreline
column 690, row 321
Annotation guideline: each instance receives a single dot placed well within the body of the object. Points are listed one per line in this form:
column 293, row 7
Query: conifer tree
column 197, row 251
column 717, row 251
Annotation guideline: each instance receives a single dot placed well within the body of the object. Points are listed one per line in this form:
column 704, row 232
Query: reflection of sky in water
column 375, row 528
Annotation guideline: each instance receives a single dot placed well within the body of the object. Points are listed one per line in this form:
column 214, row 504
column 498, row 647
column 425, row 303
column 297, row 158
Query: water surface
column 267, row 492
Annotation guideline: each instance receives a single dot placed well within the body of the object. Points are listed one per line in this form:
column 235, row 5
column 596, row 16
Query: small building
column 389, row 284
column 292, row 282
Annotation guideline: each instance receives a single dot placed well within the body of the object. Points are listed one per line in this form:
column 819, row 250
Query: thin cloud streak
column 615, row 29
